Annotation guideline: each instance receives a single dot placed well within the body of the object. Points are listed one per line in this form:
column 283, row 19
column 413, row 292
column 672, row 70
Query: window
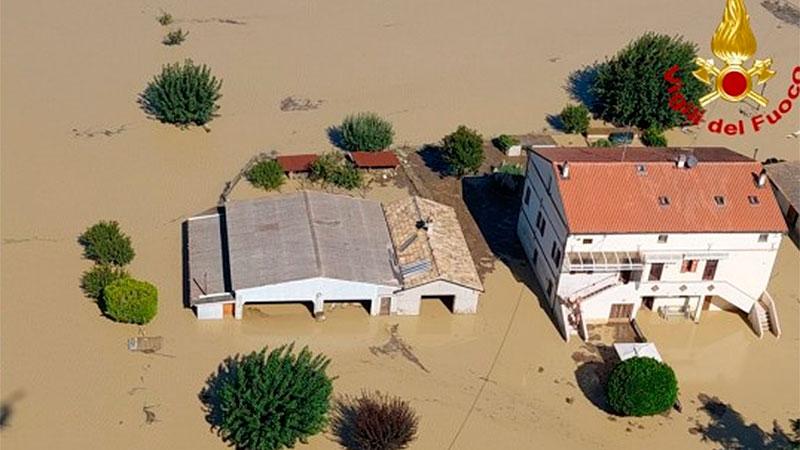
column 762, row 238
column 553, row 251
column 656, row 269
column 549, row 288
column 558, row 258
column 662, row 238
column 663, row 200
column 689, row 265
column 527, row 195
column 540, row 223
column 753, row 199
column 711, row 269
column 535, row 255
column 588, row 241
column 719, row 200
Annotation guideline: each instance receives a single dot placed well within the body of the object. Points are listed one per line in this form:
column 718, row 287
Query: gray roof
column 305, row 235
column 205, row 264
column 786, row 177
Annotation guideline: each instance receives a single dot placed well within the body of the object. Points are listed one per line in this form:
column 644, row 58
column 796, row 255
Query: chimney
column 681, row 161
column 565, row 170
column 762, row 179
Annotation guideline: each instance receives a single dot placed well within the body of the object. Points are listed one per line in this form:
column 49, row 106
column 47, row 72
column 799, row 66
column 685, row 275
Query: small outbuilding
column 296, row 164
column 785, row 180
column 385, row 160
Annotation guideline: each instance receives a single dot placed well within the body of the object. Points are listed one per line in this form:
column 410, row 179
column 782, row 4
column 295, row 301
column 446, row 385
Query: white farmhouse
column 680, row 230
column 315, row 248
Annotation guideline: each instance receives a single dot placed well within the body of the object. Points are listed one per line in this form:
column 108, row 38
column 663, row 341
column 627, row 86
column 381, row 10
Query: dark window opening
column 655, row 272
column 719, row 200
column 711, row 269
column 535, row 255
column 689, row 265
column 527, row 195
column 762, row 238
column 662, row 238
column 587, row 241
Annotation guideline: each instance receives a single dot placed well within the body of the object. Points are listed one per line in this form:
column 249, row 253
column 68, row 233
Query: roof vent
column 691, row 161
column 719, row 200
column 641, row 169
column 565, row 170
column 762, row 179
column 663, row 200
column 681, row 161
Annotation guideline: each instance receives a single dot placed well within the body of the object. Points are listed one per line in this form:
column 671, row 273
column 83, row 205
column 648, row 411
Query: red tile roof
column 375, row 160
column 296, row 163
column 605, row 194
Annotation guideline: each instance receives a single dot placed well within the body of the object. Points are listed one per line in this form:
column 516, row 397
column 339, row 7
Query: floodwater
column 76, row 149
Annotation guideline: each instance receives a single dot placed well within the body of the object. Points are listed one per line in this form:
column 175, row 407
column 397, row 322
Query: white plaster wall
column 597, row 308
column 408, row 302
column 209, row 311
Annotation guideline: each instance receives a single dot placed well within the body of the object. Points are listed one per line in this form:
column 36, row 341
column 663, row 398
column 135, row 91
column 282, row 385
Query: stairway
column 765, row 318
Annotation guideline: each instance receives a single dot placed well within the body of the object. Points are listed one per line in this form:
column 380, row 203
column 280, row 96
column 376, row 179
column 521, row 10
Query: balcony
column 603, row 261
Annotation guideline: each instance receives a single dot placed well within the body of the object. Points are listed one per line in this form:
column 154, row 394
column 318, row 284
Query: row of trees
column 271, row 400
column 118, row 295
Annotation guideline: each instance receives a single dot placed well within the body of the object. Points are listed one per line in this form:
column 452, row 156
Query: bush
column 601, row 143
column 621, row 138
column 175, row 37
column 505, row 142
column 511, row 169
column 374, row 421
column 165, row 18
column 463, row 150
column 104, row 243
column 270, row 401
column 654, row 137
column 266, row 174
column 366, row 132
column 630, row 88
column 130, row 301
column 95, row 280
column 183, row 94
column 331, row 167
column 642, row 387
column 575, row 119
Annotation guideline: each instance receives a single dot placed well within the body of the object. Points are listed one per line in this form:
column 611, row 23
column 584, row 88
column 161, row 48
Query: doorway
column 621, row 312
column 386, row 306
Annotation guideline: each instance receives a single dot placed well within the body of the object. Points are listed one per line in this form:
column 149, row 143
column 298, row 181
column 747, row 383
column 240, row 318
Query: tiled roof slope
column 608, row 192
column 443, row 243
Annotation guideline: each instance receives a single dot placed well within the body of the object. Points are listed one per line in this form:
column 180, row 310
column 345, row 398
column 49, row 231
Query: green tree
column 505, row 142
column 601, row 143
column 575, row 119
column 642, row 387
column 130, row 301
column 654, row 137
column 183, row 94
column 104, row 243
column 95, row 280
column 333, row 168
column 366, row 132
column 630, row 89
column 269, row 401
column 463, row 151
column 266, row 174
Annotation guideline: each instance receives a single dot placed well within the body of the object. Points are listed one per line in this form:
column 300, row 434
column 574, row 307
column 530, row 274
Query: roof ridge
column 434, row 265
column 314, row 243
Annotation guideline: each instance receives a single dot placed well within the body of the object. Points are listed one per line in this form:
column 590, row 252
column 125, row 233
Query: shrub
column 630, row 88
column 182, row 94
column 511, row 169
column 269, row 401
column 366, row 132
column 266, row 174
column 374, row 421
column 601, row 143
column 165, row 18
column 331, row 167
column 505, row 142
column 654, row 137
column 95, row 280
column 130, row 301
column 463, row 150
column 175, row 37
column 642, row 387
column 575, row 119
column 104, row 243
column 621, row 138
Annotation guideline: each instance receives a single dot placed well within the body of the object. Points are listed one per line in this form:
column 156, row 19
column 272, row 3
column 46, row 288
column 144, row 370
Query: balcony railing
column 603, row 261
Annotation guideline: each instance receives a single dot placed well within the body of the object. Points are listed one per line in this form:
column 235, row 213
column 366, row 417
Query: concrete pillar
column 238, row 309
column 698, row 309
column 319, row 307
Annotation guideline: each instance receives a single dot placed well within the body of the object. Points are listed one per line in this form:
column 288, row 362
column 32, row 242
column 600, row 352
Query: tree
column 269, row 401
column 654, row 137
column 266, row 174
column 601, row 143
column 104, row 243
column 130, row 301
column 331, row 167
column 505, row 142
column 630, row 89
column 575, row 119
column 642, row 387
column 374, row 421
column 463, row 150
column 95, row 280
column 366, row 132
column 183, row 94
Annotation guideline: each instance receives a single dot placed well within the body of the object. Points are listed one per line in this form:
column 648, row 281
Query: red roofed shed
column 374, row 160
column 296, row 163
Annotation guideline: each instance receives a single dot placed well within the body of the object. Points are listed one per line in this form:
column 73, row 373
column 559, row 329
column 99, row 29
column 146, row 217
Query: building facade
column 678, row 231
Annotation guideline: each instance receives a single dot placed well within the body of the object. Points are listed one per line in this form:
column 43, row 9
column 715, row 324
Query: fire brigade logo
column 733, row 43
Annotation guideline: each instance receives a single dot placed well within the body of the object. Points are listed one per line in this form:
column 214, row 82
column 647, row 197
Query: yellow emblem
column 734, row 43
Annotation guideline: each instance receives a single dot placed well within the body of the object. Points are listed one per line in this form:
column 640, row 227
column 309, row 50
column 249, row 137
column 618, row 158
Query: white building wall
column 408, row 302
column 316, row 291
column 209, row 311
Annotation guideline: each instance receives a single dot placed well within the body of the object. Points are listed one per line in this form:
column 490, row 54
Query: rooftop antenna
column 755, row 153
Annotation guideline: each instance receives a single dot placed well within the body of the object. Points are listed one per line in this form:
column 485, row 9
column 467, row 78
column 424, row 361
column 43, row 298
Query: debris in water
column 395, row 345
